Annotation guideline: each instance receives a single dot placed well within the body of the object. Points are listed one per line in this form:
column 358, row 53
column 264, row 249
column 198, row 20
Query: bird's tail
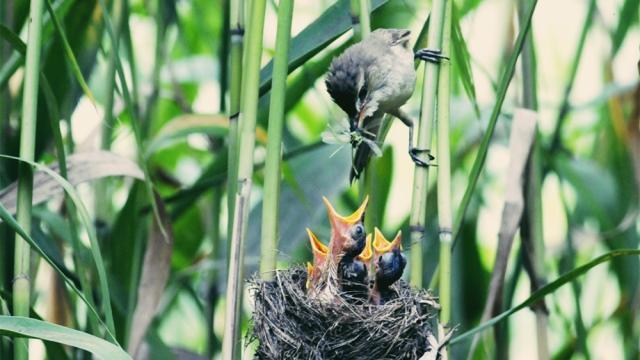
column 362, row 150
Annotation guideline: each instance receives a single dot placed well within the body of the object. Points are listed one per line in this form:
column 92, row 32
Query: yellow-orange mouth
column 366, row 254
column 352, row 219
column 381, row 245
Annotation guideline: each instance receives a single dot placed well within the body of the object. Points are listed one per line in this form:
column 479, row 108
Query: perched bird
column 319, row 251
column 353, row 273
column 389, row 263
column 372, row 78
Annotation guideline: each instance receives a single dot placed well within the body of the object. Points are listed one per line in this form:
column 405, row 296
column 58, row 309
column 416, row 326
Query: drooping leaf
column 153, row 279
column 17, row 326
column 628, row 17
column 546, row 290
column 81, row 167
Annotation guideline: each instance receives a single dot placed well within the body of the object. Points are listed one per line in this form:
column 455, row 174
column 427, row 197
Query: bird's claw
column 430, row 55
column 413, row 153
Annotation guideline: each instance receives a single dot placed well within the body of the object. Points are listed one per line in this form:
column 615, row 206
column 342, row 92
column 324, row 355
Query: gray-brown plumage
column 372, row 78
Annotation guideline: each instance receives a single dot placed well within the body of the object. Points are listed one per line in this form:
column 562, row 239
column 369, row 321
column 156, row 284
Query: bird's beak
column 341, row 225
column 310, row 270
column 366, row 254
column 318, row 249
column 381, row 245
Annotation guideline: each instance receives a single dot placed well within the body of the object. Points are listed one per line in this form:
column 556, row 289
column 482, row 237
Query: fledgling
column 372, row 78
column 319, row 251
column 347, row 241
column 389, row 263
column 354, row 273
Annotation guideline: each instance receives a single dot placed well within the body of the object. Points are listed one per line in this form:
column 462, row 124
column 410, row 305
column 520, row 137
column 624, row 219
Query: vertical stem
column 532, row 227
column 355, row 20
column 21, row 281
column 271, row 191
column 444, row 171
column 103, row 199
column 247, row 118
column 365, row 19
column 417, row 218
column 235, row 59
column 213, row 293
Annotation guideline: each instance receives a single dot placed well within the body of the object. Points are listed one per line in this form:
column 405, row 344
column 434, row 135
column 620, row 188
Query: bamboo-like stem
column 365, row 18
column 213, row 293
column 355, row 20
column 269, row 244
column 249, row 112
column 444, row 171
column 235, row 59
column 22, row 281
column 532, row 226
column 417, row 218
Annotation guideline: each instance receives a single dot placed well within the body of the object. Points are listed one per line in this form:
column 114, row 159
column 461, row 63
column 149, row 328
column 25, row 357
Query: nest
column 287, row 324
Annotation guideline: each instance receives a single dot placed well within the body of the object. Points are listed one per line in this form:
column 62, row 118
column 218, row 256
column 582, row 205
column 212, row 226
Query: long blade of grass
column 18, row 326
column 628, row 17
column 505, row 80
column 88, row 224
column 463, row 61
column 546, row 290
column 70, row 56
column 13, row 224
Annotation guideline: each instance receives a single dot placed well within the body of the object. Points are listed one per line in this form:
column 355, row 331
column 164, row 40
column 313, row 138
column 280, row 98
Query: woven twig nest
column 287, row 324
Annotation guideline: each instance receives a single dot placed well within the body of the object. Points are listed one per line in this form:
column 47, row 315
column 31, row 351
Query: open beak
column 318, row 249
column 366, row 254
column 382, row 245
column 341, row 226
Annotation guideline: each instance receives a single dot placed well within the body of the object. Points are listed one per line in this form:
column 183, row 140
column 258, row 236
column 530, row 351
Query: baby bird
column 389, row 263
column 354, row 273
column 372, row 78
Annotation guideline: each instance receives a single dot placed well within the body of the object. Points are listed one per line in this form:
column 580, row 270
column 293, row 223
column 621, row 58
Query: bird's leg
column 413, row 151
column 430, row 55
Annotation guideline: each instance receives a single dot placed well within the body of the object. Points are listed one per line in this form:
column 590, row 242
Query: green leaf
column 16, row 326
column 505, row 80
column 546, row 290
column 462, row 60
column 13, row 224
column 628, row 17
column 182, row 126
column 95, row 246
column 68, row 52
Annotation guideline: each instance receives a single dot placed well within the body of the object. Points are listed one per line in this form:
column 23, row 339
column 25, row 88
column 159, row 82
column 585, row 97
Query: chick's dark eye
column 358, row 231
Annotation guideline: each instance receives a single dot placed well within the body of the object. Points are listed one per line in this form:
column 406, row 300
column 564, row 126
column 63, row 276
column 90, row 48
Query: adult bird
column 372, row 78
column 389, row 263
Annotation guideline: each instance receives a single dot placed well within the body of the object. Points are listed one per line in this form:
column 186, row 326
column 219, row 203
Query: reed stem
column 444, row 171
column 417, row 218
column 231, row 347
column 22, row 280
column 272, row 169
column 236, row 30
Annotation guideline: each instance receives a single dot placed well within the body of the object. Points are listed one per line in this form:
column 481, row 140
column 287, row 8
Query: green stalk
column 444, row 171
column 355, row 20
column 22, row 281
column 213, row 293
column 101, row 191
column 272, row 169
column 564, row 105
column 249, row 112
column 235, row 76
column 531, row 226
column 417, row 218
column 365, row 19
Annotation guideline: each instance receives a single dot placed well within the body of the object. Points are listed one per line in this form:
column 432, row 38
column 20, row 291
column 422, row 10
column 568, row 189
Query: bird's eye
column 358, row 231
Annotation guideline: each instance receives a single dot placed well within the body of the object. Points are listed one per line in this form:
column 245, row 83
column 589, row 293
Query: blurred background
column 173, row 54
